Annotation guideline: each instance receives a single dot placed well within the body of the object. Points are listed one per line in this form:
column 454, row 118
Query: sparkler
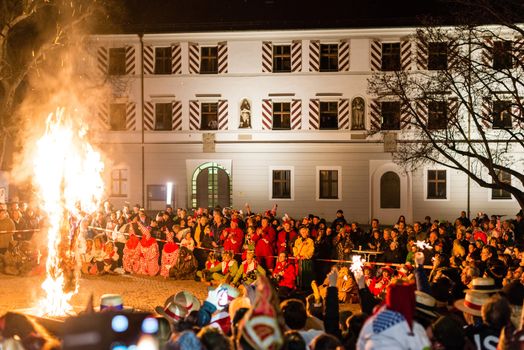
column 423, row 245
column 67, row 174
column 356, row 263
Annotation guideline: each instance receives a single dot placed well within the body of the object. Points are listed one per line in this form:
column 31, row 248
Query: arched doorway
column 211, row 186
column 390, row 190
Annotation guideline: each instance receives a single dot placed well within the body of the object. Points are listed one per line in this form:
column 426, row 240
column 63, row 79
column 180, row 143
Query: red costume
column 233, row 239
column 169, row 254
column 287, row 273
column 131, row 257
column 148, row 256
column 264, row 252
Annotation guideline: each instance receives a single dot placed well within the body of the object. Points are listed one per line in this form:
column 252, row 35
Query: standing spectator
column 339, row 221
column 286, row 238
column 20, row 226
column 7, row 226
column 303, row 251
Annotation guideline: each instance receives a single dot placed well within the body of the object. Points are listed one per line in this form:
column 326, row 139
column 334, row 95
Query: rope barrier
column 276, row 256
column 29, row 230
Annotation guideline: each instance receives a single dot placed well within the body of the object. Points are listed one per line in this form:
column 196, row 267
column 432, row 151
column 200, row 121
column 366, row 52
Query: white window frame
column 501, row 200
column 270, row 182
column 128, row 181
column 448, row 185
column 317, row 183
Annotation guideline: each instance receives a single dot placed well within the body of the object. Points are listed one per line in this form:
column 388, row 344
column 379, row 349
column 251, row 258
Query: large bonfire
column 68, row 177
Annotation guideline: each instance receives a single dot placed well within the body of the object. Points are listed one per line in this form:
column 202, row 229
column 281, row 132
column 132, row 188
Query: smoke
column 63, row 75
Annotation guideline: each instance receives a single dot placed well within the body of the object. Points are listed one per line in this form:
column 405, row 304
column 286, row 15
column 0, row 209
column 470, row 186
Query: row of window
column 437, row 185
column 438, row 114
column 438, row 58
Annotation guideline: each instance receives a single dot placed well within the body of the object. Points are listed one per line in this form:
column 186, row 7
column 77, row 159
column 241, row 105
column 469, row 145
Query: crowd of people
column 430, row 284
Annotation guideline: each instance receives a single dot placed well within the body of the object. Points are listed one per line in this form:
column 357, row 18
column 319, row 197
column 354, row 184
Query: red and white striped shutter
column 343, row 56
column 130, row 116
column 405, row 115
column 296, row 114
column 222, row 115
column 267, row 56
column 487, row 52
column 422, row 112
column 453, row 54
column 267, row 114
column 375, row 55
column 176, row 113
column 375, row 115
column 405, row 55
column 176, row 59
column 314, row 114
column 296, row 56
column 486, row 112
column 194, row 115
column 130, row 60
column 343, row 113
column 453, row 109
column 314, row 55
column 518, row 52
column 102, row 115
column 149, row 115
column 194, row 58
column 422, row 54
column 222, row 57
column 102, row 60
column 149, row 59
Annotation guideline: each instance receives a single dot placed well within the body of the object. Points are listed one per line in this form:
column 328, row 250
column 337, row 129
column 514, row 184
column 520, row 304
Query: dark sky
column 157, row 16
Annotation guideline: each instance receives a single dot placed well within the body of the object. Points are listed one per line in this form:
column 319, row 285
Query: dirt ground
column 139, row 292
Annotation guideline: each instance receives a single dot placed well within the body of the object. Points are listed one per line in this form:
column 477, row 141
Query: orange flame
column 68, row 175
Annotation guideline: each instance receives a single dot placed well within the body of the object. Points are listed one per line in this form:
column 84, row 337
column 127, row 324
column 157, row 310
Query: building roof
column 172, row 16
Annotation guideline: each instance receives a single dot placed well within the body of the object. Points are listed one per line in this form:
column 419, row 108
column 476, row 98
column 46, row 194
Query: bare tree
column 461, row 103
column 30, row 32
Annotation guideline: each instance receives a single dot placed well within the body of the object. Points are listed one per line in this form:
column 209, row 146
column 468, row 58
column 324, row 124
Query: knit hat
column 262, row 326
column 400, row 297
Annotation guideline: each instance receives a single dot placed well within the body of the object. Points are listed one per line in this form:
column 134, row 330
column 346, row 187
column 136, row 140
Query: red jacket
column 234, row 240
column 283, row 242
column 288, row 272
column 263, row 247
column 271, row 234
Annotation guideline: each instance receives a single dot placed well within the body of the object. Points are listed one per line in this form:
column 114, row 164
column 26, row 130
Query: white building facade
column 265, row 117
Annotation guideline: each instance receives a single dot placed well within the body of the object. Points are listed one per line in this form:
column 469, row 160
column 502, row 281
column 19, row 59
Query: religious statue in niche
column 358, row 112
column 245, row 114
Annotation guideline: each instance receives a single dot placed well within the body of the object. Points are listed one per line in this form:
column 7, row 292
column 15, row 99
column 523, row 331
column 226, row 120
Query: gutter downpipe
column 141, row 37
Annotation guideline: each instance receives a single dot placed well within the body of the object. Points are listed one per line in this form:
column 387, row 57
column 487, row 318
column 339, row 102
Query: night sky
column 156, row 16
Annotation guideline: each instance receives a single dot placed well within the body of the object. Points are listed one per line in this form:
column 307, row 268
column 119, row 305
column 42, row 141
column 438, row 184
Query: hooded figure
column 393, row 325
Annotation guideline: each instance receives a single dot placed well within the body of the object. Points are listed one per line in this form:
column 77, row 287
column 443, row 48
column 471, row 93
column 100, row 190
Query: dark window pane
column 163, row 60
column 328, row 115
column 502, row 115
column 437, row 115
column 209, row 116
column 282, row 184
column 117, row 116
column 281, row 58
column 438, row 56
column 437, row 184
column 163, row 116
column 328, row 187
column 390, row 191
column 498, row 193
column 390, row 56
column 209, row 60
column 117, row 61
column 502, row 55
column 390, row 115
column 281, row 115
column 329, row 58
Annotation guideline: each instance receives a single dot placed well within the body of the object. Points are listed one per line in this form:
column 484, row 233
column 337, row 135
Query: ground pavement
column 140, row 292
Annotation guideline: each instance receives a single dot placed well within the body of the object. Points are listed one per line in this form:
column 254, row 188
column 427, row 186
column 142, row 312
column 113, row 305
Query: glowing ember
column 67, row 173
column 423, row 245
column 357, row 263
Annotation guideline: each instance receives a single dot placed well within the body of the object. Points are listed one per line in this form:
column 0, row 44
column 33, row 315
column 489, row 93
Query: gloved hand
column 419, row 259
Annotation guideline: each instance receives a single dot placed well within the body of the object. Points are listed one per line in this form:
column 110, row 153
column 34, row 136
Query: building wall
column 250, row 154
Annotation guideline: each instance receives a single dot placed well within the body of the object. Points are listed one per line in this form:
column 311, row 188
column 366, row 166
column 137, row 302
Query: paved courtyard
column 139, row 292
